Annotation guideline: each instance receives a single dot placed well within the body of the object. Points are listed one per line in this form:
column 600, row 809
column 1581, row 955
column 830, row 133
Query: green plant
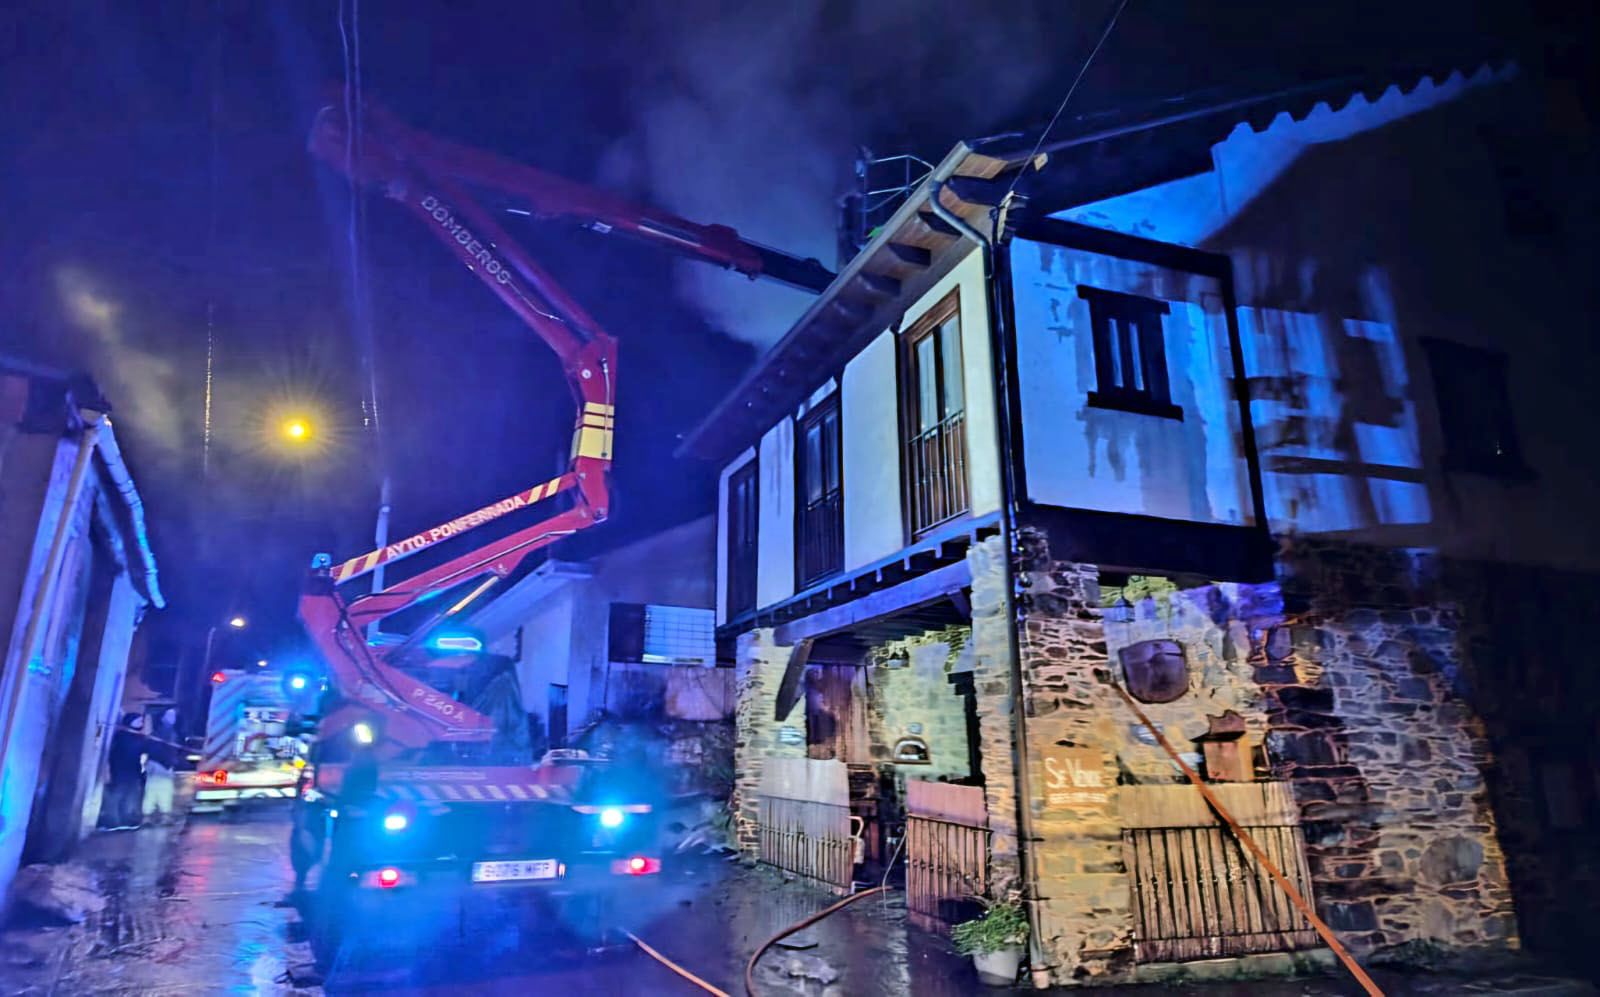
column 1001, row 926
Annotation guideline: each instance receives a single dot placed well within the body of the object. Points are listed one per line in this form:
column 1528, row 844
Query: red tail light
column 218, row 678
column 219, row 777
column 636, row 866
column 388, row 877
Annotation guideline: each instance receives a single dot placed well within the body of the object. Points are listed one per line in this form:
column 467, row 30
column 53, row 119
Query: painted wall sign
column 1074, row 777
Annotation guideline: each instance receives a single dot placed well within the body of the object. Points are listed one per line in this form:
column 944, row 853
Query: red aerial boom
column 431, row 178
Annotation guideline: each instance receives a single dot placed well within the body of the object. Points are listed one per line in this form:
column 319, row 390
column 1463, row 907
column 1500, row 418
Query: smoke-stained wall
column 1189, row 465
column 1356, row 235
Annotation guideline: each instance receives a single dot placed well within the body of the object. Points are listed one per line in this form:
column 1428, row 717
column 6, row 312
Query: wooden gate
column 805, row 820
column 1197, row 893
column 947, row 852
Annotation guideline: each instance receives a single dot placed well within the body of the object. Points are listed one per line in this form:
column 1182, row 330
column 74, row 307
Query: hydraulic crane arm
column 429, row 177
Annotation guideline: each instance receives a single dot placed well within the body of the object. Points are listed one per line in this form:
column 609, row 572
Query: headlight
column 362, row 733
column 395, row 822
column 611, row 817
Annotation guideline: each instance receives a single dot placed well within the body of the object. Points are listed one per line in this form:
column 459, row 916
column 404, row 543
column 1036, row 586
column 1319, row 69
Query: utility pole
column 381, row 536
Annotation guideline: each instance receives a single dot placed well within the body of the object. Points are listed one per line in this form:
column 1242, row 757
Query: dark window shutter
column 626, row 635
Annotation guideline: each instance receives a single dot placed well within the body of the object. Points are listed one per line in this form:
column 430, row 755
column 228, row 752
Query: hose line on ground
column 750, row 967
column 658, row 957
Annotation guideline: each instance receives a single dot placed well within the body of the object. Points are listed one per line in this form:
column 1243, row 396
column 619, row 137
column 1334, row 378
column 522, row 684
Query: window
column 1130, row 355
column 556, row 718
column 1474, row 409
column 662, row 635
column 935, row 418
column 819, row 513
column 742, row 519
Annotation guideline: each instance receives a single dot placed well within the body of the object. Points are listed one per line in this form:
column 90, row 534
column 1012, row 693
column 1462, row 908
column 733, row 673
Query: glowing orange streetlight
column 297, row 429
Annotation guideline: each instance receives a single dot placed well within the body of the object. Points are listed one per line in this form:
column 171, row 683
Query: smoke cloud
column 750, row 114
column 141, row 382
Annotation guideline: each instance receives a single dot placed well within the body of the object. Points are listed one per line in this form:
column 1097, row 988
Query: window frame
column 1447, row 357
column 818, row 413
column 748, row 471
column 1145, row 351
column 928, row 325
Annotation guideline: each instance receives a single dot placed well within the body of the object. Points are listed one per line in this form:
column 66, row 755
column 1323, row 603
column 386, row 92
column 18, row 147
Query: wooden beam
column 977, row 190
column 913, row 255
column 936, row 223
column 852, row 314
column 789, row 690
column 887, row 602
column 879, row 284
column 962, row 602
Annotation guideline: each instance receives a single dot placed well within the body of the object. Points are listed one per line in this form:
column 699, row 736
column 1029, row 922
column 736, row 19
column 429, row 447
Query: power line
column 1106, row 33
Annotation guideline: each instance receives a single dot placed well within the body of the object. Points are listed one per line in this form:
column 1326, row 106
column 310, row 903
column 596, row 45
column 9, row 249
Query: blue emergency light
column 458, row 643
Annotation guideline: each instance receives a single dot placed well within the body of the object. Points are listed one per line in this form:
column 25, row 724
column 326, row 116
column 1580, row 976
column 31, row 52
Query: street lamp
column 297, row 429
column 235, row 622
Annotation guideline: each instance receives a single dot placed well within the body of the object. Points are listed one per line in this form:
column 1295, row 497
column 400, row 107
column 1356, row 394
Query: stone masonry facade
column 1344, row 673
column 1349, row 671
column 758, row 672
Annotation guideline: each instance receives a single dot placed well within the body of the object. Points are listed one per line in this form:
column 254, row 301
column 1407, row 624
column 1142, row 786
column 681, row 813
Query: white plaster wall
column 26, row 679
column 775, row 551
column 874, row 524
column 1085, row 457
column 546, row 650
column 116, row 639
column 983, row 464
column 722, row 532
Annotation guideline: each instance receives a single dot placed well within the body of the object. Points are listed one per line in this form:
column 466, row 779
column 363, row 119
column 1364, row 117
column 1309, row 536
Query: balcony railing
column 937, row 459
column 820, row 545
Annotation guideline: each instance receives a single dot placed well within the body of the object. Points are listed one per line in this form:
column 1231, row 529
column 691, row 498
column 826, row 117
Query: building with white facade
column 1238, row 413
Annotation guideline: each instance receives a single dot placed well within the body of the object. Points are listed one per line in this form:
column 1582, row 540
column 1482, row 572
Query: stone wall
column 1529, row 673
column 991, row 667
column 916, row 699
column 1353, row 700
column 757, row 673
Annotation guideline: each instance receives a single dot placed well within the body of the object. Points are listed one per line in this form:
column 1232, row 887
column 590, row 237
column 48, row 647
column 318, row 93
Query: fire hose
column 1250, row 845
column 750, row 967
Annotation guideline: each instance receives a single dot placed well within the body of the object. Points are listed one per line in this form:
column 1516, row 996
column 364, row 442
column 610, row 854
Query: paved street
column 202, row 910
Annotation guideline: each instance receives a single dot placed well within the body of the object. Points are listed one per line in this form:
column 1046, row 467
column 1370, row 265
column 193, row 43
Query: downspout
column 17, row 687
column 1001, row 365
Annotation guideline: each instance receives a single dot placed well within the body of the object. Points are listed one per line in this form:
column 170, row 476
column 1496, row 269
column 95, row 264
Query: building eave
column 1090, row 158
column 142, row 565
column 862, row 294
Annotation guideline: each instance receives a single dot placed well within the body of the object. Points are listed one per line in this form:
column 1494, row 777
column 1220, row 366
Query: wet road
column 203, row 910
column 707, row 915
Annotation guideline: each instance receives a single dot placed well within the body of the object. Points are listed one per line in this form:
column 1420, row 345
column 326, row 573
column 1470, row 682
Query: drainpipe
column 45, row 592
column 1000, row 364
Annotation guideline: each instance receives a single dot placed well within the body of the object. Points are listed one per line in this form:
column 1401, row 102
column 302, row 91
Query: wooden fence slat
column 1195, row 894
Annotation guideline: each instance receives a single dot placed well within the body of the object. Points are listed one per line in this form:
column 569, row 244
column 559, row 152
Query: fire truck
column 251, row 750
column 410, row 790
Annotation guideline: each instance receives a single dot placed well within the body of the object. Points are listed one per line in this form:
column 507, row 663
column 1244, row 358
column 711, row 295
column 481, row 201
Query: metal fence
column 938, row 473
column 820, row 540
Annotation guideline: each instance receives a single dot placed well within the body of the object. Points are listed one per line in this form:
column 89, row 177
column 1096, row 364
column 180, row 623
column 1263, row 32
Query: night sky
column 157, row 184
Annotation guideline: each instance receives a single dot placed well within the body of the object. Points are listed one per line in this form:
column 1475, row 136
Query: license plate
column 503, row 872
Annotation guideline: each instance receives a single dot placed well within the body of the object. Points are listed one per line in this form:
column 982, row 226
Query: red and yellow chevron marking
column 357, row 566
column 592, row 437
